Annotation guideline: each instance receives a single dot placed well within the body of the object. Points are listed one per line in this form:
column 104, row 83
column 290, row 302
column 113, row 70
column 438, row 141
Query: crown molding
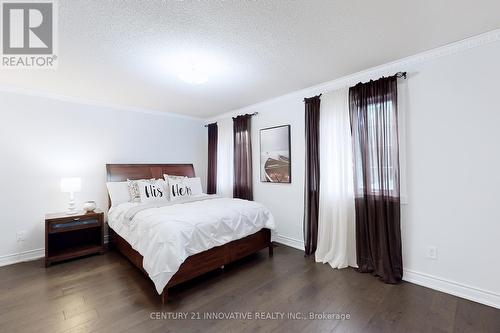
column 91, row 102
column 377, row 71
column 403, row 64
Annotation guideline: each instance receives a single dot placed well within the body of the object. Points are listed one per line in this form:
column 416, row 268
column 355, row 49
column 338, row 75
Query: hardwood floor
column 107, row 294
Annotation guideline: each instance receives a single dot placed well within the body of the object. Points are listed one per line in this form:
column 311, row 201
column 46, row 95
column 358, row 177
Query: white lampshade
column 71, row 185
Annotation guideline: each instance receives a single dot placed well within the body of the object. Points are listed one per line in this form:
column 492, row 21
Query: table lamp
column 71, row 185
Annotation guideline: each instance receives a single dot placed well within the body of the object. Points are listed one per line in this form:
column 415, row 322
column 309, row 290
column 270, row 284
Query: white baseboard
column 453, row 288
column 422, row 279
column 14, row 258
column 292, row 242
column 426, row 280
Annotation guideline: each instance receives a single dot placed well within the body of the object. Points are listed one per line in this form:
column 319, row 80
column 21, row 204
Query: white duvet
column 165, row 235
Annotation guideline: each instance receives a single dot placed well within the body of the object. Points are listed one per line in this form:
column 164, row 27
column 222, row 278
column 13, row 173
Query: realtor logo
column 28, row 38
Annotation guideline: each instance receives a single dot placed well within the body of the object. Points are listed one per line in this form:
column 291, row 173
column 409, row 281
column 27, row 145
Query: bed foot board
column 271, row 251
column 164, row 296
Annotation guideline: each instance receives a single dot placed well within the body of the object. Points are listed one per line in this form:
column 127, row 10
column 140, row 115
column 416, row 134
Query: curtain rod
column 401, row 75
column 252, row 114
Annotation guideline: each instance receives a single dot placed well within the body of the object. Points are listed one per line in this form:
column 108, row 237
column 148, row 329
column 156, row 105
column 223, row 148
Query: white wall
column 286, row 201
column 452, row 165
column 43, row 139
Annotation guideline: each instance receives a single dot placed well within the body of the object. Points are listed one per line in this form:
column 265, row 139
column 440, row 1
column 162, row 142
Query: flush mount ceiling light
column 192, row 73
column 193, row 69
column 194, row 66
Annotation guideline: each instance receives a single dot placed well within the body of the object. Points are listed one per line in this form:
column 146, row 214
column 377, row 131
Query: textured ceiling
column 125, row 52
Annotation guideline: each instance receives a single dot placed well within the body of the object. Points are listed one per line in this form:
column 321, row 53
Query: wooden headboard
column 122, row 172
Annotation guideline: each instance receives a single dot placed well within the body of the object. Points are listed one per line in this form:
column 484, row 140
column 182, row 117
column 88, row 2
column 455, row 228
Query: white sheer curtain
column 225, row 161
column 336, row 224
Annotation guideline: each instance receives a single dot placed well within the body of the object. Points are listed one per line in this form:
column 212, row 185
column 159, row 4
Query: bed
column 164, row 268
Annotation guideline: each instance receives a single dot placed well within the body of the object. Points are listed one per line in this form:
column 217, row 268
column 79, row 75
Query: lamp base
column 71, row 205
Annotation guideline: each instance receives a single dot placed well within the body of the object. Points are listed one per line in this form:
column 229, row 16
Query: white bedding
column 167, row 234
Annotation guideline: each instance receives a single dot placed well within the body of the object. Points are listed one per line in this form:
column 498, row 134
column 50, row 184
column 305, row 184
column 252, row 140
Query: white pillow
column 152, row 190
column 181, row 187
column 118, row 192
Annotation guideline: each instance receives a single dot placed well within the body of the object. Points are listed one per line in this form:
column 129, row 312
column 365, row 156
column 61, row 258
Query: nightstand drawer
column 73, row 224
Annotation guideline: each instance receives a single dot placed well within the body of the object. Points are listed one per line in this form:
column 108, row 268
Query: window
column 374, row 125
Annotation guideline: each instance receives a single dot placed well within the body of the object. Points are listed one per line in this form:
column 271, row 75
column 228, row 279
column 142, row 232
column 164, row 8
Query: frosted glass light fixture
column 192, row 74
column 71, row 185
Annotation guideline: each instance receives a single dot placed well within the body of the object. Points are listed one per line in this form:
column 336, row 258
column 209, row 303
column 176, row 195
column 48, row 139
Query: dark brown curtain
column 374, row 125
column 311, row 186
column 242, row 188
column 212, row 159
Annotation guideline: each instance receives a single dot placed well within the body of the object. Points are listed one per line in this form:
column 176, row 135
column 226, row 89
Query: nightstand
column 72, row 236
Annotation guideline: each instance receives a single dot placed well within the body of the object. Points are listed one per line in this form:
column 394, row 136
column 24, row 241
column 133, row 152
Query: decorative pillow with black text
column 195, row 184
column 179, row 188
column 152, row 190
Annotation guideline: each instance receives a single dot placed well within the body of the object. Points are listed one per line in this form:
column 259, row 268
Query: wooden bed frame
column 194, row 265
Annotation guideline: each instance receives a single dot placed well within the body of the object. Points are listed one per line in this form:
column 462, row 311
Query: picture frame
column 275, row 155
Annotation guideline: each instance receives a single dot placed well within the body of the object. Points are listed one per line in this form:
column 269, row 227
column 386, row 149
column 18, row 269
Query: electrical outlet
column 432, row 252
column 21, row 236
